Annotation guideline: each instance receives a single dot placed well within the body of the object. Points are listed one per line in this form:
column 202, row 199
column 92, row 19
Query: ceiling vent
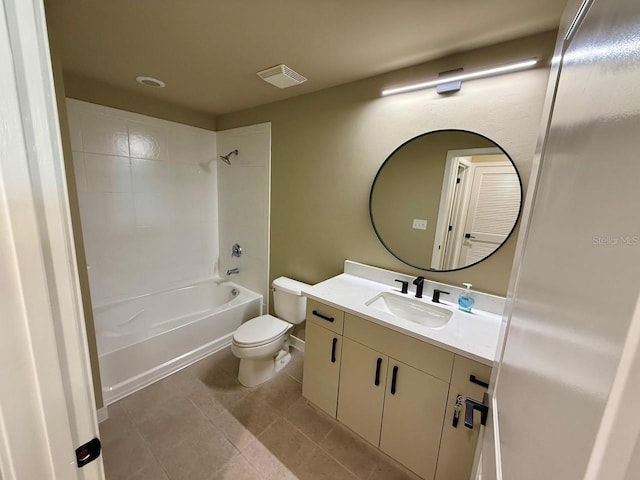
column 281, row 76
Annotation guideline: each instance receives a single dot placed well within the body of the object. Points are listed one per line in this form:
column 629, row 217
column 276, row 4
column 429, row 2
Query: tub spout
column 231, row 271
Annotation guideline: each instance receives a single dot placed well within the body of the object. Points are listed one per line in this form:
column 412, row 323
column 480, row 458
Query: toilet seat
column 260, row 331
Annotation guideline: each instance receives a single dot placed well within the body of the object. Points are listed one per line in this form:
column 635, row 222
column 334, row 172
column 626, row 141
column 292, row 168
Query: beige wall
column 409, row 187
column 327, row 147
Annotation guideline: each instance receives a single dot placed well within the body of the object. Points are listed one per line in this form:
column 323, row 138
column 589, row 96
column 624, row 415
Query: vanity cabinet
column 323, row 355
column 394, row 406
column 458, row 444
column 395, row 391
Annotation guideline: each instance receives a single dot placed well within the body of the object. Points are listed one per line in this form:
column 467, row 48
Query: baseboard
column 103, row 414
column 297, row 343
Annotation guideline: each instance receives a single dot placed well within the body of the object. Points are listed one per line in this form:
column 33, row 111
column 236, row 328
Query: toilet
column 262, row 343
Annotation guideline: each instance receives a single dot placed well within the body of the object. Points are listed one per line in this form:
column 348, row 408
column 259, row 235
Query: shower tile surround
column 149, row 212
column 200, row 423
column 157, row 207
column 244, row 195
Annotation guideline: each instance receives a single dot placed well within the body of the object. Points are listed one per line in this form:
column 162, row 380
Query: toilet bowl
column 262, row 343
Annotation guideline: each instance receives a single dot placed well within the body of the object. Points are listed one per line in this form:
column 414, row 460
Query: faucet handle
column 405, row 285
column 436, row 295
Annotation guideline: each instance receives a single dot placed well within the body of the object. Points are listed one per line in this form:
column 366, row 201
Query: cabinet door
column 412, row 421
column 322, row 355
column 458, row 445
column 362, row 385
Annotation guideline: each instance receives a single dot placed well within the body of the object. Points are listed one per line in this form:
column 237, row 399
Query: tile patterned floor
column 201, row 424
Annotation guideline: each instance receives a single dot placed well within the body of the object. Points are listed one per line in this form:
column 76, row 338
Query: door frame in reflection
column 453, row 223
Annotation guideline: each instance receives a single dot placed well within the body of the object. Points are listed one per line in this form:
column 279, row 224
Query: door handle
column 378, row 365
column 468, row 235
column 333, row 350
column 394, row 377
column 324, row 317
column 482, row 407
column 473, row 379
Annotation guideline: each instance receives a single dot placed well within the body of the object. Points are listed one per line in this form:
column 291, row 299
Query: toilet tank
column 288, row 301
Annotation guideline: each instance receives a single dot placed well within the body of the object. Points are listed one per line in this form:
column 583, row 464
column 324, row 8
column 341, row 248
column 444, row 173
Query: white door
column 575, row 286
column 494, row 205
column 46, row 398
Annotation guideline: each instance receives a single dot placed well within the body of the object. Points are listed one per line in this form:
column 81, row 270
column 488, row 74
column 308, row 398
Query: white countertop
column 472, row 335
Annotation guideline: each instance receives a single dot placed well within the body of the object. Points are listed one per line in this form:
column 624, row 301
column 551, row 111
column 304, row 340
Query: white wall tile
column 79, row 171
column 107, row 173
column 147, row 140
column 243, row 208
column 106, row 134
column 148, row 223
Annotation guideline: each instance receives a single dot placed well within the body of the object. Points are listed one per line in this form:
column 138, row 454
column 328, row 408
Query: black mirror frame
column 373, row 184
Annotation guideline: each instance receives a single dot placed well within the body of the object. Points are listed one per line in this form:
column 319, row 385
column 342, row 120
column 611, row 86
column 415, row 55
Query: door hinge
column 457, row 180
column 88, row 452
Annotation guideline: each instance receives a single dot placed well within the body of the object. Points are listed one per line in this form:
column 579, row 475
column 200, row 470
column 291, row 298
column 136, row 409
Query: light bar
column 487, row 72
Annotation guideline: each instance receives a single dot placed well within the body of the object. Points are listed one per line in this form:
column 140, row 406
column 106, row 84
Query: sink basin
column 410, row 309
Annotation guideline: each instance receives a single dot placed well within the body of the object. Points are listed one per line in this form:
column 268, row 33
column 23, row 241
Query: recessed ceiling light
column 150, row 82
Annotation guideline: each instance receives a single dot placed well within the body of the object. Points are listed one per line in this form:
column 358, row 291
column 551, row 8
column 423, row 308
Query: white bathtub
column 146, row 338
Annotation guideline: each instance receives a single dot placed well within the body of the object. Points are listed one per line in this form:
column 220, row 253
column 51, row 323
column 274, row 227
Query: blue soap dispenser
column 466, row 299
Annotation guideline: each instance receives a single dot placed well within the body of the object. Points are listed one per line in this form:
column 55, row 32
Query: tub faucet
column 231, row 271
column 419, row 283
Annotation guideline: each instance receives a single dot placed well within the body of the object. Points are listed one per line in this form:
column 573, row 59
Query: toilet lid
column 260, row 330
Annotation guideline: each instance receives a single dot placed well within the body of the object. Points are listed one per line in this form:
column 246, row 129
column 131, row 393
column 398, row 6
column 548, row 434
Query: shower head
column 225, row 158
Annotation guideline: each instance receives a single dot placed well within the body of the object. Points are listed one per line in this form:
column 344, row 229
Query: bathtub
column 143, row 339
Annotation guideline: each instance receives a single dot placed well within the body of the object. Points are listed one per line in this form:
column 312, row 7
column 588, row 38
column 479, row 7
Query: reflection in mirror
column 445, row 200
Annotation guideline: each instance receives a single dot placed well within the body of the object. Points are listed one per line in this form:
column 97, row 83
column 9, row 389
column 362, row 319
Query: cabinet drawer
column 423, row 356
column 325, row 316
column 461, row 381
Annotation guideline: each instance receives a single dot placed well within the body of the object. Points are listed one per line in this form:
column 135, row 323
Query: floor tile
column 288, row 444
column 225, row 387
column 175, row 421
column 197, row 457
column 127, row 456
column 281, row 392
column 351, row 451
column 145, row 403
column 387, row 469
column 237, row 469
column 206, row 403
column 118, row 424
column 265, row 462
column 235, row 432
column 322, row 467
column 151, row 472
column 310, row 421
column 254, row 414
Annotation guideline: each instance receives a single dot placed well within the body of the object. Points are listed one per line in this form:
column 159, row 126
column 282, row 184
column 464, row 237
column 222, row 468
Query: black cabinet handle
column 473, row 379
column 378, row 365
column 333, row 350
column 471, row 405
column 394, row 377
column 324, row 317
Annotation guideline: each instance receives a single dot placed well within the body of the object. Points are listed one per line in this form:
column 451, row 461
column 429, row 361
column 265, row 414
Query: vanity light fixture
column 485, row 72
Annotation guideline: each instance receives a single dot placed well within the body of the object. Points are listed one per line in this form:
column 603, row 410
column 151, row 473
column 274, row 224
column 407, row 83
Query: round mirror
column 445, row 200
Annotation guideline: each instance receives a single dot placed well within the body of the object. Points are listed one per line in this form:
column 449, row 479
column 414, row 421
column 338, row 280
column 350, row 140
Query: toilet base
column 254, row 372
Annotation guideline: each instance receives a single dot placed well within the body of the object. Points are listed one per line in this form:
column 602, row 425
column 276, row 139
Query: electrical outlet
column 419, row 224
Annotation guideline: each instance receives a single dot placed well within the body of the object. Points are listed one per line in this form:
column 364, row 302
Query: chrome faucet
column 231, row 271
column 419, row 283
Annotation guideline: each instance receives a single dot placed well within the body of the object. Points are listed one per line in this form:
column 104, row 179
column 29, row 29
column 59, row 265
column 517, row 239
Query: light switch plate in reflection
column 419, row 224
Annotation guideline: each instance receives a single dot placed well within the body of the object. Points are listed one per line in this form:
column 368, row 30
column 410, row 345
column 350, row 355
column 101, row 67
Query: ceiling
column 208, row 51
